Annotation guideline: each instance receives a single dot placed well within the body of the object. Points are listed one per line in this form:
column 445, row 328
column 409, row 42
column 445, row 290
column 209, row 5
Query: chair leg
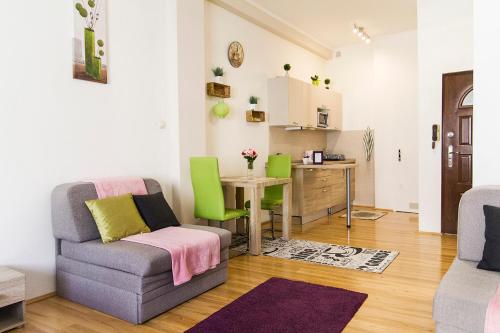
column 271, row 213
column 220, row 224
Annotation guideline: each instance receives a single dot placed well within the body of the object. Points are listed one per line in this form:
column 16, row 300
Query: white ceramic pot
column 252, row 106
column 305, row 160
column 218, row 79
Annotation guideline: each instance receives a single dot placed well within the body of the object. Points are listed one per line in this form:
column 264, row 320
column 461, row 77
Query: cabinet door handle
column 310, row 170
column 324, row 179
column 325, row 190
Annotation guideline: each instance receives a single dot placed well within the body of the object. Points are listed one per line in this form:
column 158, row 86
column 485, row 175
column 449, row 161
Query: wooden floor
column 399, row 300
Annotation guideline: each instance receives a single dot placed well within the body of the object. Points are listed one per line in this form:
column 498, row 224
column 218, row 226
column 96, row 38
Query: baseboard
column 41, row 298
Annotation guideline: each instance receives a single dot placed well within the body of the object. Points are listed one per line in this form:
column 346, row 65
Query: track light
column 360, row 31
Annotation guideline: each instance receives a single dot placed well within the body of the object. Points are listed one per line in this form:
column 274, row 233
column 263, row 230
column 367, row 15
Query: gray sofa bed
column 462, row 298
column 127, row 280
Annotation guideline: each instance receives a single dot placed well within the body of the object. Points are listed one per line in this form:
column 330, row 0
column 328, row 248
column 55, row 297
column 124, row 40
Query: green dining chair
column 278, row 166
column 208, row 195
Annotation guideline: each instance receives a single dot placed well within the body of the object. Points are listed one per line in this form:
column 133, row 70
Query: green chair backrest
column 207, row 188
column 278, row 166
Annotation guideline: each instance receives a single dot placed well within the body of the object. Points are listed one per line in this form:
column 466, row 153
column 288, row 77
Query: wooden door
column 456, row 168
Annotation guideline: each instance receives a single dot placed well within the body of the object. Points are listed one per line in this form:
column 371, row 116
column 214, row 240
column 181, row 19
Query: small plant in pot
column 315, row 80
column 218, row 74
column 253, row 100
column 287, row 68
column 327, row 83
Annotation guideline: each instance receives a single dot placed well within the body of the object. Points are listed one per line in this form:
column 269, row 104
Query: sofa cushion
column 491, row 252
column 71, row 219
column 155, row 211
column 463, row 296
column 134, row 258
column 117, row 217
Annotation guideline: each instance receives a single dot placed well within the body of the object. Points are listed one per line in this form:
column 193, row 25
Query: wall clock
column 235, row 54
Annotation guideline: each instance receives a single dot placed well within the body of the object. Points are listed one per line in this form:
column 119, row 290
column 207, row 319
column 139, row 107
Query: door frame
column 443, row 148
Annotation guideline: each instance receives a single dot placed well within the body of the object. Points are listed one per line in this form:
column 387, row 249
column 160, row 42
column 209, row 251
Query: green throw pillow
column 116, row 217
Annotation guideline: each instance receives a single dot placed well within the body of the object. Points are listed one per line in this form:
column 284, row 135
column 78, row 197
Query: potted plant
column 253, row 100
column 218, row 74
column 287, row 67
column 250, row 155
column 315, row 80
column 327, row 83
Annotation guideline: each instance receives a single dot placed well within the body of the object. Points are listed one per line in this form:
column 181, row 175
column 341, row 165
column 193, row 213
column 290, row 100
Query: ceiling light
column 360, row 31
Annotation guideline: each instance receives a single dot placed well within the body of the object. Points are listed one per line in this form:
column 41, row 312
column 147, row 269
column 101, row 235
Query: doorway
column 456, row 155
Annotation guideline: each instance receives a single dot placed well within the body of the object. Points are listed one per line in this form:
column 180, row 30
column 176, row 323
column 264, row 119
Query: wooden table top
column 341, row 166
column 7, row 275
column 254, row 181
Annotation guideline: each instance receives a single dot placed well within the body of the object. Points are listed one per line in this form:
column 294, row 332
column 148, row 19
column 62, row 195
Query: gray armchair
column 462, row 298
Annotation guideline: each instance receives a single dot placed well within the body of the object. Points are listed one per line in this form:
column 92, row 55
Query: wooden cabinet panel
column 316, row 189
column 292, row 102
column 298, row 103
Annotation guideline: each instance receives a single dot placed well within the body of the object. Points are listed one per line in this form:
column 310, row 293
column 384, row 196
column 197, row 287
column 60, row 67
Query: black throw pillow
column 491, row 252
column 155, row 211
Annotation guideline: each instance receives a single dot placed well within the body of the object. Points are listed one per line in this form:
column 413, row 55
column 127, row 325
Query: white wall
column 379, row 87
column 265, row 55
column 192, row 117
column 54, row 129
column 486, row 115
column 444, row 46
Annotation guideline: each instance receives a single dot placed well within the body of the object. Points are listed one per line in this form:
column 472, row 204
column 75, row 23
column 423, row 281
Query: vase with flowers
column 250, row 155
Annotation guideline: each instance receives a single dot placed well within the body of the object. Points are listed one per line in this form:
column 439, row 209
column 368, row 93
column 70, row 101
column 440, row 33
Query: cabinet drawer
column 312, row 173
column 12, row 295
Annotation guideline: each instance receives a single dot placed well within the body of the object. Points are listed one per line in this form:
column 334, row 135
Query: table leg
column 348, row 196
column 255, row 223
column 287, row 211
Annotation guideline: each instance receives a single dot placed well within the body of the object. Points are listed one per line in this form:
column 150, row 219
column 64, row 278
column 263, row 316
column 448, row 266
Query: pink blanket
column 193, row 251
column 492, row 320
column 112, row 187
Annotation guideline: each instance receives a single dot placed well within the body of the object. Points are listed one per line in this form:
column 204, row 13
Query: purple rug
column 280, row 305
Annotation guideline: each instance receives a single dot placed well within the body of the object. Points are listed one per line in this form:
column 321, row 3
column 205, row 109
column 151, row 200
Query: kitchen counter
column 347, row 164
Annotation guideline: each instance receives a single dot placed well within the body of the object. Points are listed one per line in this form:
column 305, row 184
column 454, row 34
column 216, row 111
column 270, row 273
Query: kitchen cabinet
column 295, row 103
column 317, row 189
column 289, row 101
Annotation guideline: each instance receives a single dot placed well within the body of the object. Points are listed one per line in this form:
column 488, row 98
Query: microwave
column 322, row 118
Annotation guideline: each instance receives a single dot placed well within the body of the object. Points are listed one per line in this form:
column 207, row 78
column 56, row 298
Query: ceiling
column 330, row 22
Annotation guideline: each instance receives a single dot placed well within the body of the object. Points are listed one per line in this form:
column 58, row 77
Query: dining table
column 255, row 187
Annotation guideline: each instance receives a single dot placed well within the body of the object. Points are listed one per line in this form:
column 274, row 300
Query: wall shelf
column 218, row 90
column 256, row 116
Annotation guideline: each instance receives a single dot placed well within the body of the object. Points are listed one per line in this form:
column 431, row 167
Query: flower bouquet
column 250, row 155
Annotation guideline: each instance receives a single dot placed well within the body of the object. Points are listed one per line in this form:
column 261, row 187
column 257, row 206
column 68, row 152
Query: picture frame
column 317, row 157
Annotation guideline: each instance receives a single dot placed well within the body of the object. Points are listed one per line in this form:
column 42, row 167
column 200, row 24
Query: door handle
column 450, row 156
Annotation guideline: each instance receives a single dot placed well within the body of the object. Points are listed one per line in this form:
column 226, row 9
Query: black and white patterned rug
column 358, row 258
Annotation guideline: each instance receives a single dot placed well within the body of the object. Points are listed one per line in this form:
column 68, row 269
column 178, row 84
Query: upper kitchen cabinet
column 325, row 100
column 295, row 103
column 289, row 101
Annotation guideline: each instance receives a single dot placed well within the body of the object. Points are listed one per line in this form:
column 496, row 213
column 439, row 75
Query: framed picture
column 317, row 157
column 90, row 59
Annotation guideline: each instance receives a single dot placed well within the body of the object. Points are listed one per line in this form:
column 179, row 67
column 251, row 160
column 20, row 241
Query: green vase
column 89, row 35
